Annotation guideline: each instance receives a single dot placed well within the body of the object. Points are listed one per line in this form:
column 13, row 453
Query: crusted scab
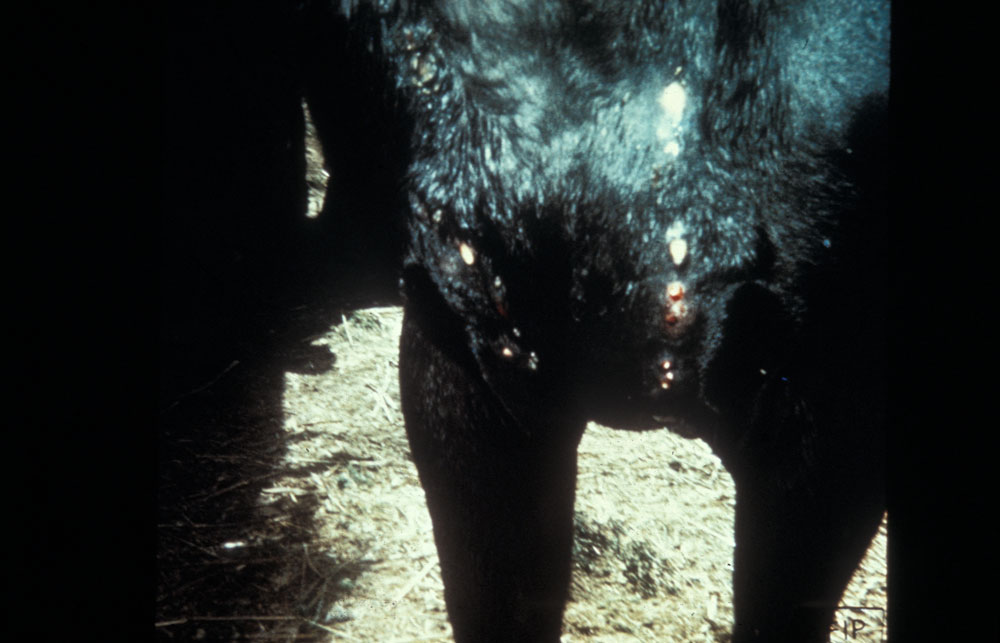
column 678, row 250
column 468, row 255
column 675, row 312
column 677, row 245
column 667, row 376
column 510, row 352
column 676, row 307
column 499, row 296
column 423, row 68
column 672, row 101
column 424, row 209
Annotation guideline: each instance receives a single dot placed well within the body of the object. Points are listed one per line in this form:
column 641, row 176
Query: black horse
column 646, row 214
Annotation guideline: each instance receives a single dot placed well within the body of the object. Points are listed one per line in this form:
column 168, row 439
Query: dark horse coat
column 646, row 214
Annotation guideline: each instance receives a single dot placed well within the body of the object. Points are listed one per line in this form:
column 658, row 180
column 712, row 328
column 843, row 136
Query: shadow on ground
column 245, row 279
column 229, row 568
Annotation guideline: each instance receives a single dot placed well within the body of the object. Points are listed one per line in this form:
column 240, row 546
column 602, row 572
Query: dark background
column 236, row 253
column 244, row 279
column 172, row 96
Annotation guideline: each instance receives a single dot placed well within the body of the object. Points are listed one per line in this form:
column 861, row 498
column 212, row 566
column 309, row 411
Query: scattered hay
column 290, row 511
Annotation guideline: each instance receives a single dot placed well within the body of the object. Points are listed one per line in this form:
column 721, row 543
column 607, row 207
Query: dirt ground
column 654, row 532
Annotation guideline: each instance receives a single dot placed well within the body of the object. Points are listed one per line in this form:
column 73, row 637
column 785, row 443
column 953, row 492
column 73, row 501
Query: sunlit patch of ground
column 653, row 559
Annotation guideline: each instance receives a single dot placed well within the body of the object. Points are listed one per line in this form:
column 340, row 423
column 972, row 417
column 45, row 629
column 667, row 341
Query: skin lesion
column 672, row 102
column 678, row 251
